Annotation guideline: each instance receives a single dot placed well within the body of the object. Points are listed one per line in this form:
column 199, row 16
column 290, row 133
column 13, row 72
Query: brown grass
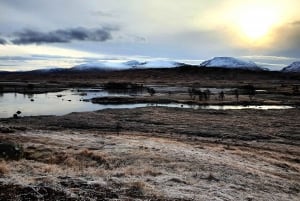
column 4, row 168
column 49, row 169
column 136, row 189
column 152, row 172
column 100, row 158
column 72, row 162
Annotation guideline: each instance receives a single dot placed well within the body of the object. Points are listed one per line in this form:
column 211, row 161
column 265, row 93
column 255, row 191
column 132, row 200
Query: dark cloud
column 10, row 58
column 63, row 35
column 287, row 41
column 3, row 41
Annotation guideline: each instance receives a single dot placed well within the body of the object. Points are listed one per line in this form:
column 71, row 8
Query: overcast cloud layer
column 135, row 29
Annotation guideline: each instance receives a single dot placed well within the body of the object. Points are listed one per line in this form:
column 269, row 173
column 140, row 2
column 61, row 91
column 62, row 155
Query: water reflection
column 72, row 100
column 59, row 103
column 226, row 107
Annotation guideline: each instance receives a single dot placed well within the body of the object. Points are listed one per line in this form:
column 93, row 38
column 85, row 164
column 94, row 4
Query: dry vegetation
column 4, row 169
column 158, row 153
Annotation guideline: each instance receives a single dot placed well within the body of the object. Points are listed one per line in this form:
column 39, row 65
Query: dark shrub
column 249, row 90
column 151, row 91
column 11, row 151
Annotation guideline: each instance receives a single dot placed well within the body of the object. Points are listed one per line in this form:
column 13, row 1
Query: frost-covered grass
column 136, row 166
column 158, row 154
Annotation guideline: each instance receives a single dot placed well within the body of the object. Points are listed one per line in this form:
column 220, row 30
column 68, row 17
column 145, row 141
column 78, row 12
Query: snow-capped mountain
column 294, row 67
column 230, row 62
column 114, row 65
column 111, row 65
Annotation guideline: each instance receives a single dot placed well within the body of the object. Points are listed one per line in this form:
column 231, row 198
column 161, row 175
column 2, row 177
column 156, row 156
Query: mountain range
column 216, row 62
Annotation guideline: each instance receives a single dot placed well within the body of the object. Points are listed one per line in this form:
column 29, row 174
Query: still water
column 71, row 100
column 58, row 103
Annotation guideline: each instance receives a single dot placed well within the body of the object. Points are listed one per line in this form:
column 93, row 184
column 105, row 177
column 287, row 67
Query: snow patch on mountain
column 102, row 65
column 160, row 64
column 133, row 63
column 294, row 67
column 230, row 62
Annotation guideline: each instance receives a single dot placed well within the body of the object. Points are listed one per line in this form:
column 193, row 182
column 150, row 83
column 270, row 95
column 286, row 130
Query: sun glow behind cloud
column 249, row 23
column 255, row 23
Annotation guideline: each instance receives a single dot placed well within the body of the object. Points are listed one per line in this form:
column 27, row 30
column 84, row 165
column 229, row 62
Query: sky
column 38, row 34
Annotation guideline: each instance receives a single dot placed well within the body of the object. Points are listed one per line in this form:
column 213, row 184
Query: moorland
column 156, row 152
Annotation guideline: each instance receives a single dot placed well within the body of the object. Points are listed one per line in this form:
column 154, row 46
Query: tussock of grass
column 152, row 172
column 4, row 168
column 47, row 169
column 136, row 189
column 134, row 171
column 72, row 162
column 100, row 158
